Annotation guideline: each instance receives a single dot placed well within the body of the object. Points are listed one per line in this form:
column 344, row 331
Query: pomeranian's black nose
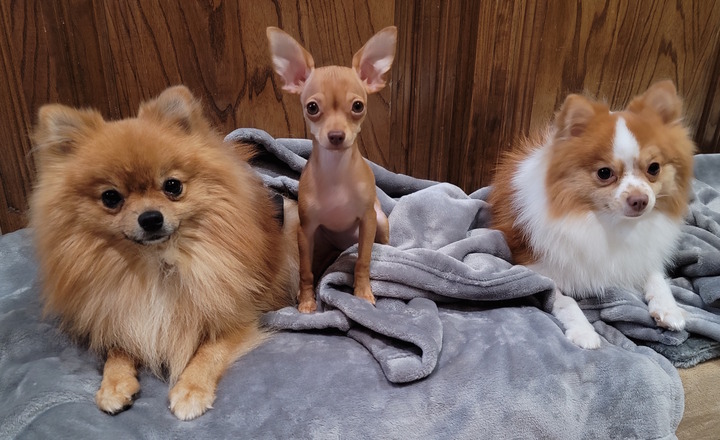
column 336, row 137
column 151, row 221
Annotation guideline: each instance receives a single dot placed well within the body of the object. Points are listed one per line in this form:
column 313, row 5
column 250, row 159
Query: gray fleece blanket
column 460, row 344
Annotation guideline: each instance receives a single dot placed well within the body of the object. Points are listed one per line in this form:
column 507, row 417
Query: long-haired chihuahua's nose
column 336, row 137
column 638, row 202
column 151, row 221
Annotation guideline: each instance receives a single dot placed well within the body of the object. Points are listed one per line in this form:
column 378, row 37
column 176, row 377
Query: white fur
column 625, row 146
column 627, row 149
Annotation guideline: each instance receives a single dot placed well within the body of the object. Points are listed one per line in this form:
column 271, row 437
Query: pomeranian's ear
column 290, row 60
column 176, row 106
column 574, row 116
column 662, row 99
column 59, row 128
column 374, row 59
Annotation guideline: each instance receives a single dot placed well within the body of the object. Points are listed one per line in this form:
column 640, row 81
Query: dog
column 157, row 246
column 597, row 200
column 337, row 202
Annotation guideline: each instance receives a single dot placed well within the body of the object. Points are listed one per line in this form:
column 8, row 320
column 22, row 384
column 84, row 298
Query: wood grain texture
column 518, row 61
column 469, row 76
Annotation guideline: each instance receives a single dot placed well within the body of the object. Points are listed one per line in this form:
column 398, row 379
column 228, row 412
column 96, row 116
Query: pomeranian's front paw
column 667, row 314
column 189, row 400
column 365, row 293
column 583, row 336
column 116, row 393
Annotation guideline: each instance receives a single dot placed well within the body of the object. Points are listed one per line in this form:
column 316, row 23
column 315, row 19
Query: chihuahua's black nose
column 336, row 137
column 638, row 202
column 151, row 221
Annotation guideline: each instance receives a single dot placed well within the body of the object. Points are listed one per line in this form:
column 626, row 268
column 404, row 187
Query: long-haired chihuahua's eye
column 173, row 188
column 605, row 173
column 312, row 108
column 358, row 107
column 653, row 169
column 112, row 199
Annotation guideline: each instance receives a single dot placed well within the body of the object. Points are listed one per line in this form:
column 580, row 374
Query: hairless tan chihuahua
column 337, row 202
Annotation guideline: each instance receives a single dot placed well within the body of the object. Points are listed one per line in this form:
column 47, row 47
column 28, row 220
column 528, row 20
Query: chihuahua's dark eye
column 604, row 173
column 653, row 169
column 358, row 107
column 312, row 108
column 111, row 199
column 173, row 188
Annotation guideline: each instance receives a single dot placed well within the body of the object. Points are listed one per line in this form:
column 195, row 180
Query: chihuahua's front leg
column 306, row 294
column 368, row 227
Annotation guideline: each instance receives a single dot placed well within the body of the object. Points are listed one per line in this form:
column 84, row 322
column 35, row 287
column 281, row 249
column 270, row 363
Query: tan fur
column 158, row 304
column 337, row 201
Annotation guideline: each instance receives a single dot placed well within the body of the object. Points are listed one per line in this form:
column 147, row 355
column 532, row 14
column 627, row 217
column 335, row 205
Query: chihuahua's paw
column 116, row 393
column 667, row 314
column 584, row 336
column 190, row 400
column 365, row 293
column 306, row 301
column 307, row 306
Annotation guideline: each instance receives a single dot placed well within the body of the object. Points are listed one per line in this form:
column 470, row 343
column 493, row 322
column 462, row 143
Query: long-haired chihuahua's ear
column 574, row 116
column 290, row 60
column 374, row 59
column 60, row 128
column 662, row 99
column 177, row 106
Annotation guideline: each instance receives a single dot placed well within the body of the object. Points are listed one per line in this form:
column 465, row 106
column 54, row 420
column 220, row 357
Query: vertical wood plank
column 16, row 169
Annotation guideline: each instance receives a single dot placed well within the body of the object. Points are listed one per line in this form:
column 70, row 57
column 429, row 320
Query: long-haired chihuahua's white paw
column 584, row 336
column 667, row 314
column 189, row 400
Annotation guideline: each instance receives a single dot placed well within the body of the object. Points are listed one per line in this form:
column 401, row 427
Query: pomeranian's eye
column 653, row 169
column 312, row 108
column 111, row 199
column 605, row 173
column 358, row 107
column 173, row 188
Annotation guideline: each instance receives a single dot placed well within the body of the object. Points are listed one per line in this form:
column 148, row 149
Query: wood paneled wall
column 469, row 76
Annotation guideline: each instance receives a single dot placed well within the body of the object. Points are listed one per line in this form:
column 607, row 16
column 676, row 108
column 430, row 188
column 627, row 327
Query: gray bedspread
column 460, row 344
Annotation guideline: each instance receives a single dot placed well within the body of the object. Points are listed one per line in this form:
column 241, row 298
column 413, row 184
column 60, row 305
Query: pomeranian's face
column 621, row 164
column 138, row 180
column 138, row 184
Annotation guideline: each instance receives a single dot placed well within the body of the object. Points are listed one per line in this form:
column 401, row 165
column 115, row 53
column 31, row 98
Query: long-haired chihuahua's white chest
column 587, row 254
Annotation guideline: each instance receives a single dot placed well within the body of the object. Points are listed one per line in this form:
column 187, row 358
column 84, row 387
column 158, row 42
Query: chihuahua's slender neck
column 332, row 163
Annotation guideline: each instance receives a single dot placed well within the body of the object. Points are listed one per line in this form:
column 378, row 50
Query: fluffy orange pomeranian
column 157, row 245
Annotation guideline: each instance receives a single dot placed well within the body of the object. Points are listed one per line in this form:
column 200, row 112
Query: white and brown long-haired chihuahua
column 597, row 200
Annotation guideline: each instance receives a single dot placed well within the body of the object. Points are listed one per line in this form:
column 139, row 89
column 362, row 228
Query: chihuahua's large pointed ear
column 574, row 116
column 374, row 59
column 60, row 128
column 290, row 60
column 662, row 99
column 176, row 106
